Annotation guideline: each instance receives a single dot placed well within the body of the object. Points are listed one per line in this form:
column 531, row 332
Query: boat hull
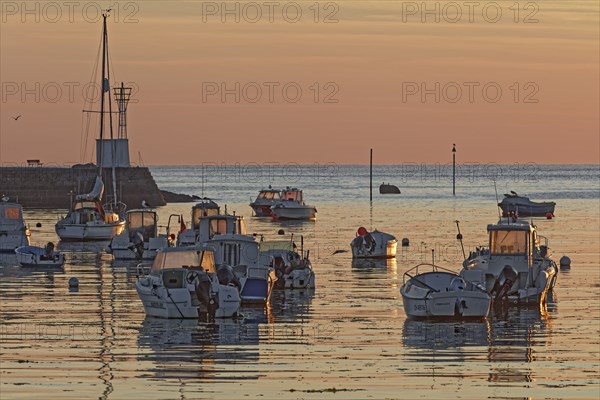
column 182, row 303
column 89, row 232
column 262, row 210
column 30, row 256
column 526, row 208
column 11, row 240
column 384, row 246
column 465, row 304
column 294, row 213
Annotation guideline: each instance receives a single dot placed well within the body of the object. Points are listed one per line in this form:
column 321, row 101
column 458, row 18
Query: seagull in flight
column 16, row 118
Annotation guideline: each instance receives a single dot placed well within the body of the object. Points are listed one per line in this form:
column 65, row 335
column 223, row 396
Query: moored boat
column 140, row 239
column 292, row 207
column 13, row 231
column 373, row 244
column 439, row 292
column 33, row 256
column 184, row 282
column 513, row 204
column 515, row 266
column 292, row 269
column 263, row 202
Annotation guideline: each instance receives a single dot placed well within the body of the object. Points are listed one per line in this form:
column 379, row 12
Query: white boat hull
column 466, row 304
column 301, row 278
column 384, row 246
column 34, row 258
column 90, row 231
column 182, row 303
column 294, row 213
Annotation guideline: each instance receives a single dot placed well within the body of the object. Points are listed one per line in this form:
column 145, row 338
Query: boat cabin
column 144, row 222
column 191, row 257
column 513, row 239
column 213, row 225
column 268, row 195
column 204, row 208
column 292, row 194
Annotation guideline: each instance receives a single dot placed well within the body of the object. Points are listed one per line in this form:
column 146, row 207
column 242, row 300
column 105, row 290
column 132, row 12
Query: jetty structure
column 35, row 185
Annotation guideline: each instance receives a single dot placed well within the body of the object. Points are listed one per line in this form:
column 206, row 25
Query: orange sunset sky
column 369, row 56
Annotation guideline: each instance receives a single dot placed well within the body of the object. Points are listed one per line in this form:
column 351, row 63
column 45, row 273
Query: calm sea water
column 347, row 339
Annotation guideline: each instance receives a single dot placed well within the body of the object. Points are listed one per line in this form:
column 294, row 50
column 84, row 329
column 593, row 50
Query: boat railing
column 143, row 269
column 432, row 267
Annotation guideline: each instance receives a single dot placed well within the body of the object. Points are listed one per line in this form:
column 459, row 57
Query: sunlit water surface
column 350, row 337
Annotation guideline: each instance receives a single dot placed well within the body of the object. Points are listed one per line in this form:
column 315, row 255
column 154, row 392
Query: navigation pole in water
column 371, row 176
column 454, row 169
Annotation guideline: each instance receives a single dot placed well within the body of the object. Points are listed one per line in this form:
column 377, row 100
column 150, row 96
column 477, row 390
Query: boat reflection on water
column 84, row 253
column 508, row 341
column 182, row 349
column 368, row 265
column 517, row 335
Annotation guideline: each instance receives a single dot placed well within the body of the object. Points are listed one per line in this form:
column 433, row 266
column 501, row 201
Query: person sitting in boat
column 48, row 252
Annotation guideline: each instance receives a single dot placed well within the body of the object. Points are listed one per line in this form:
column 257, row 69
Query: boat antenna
column 459, row 236
column 497, row 201
column 433, row 256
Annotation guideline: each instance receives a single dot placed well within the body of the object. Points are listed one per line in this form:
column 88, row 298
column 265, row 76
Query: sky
column 307, row 82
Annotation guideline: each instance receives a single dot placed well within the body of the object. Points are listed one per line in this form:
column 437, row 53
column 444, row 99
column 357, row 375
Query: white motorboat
column 188, row 236
column 440, row 292
column 88, row 220
column 373, row 244
column 293, row 270
column 33, row 256
column 226, row 234
column 292, row 207
column 515, row 266
column 263, row 202
column 183, row 282
column 13, row 231
column 523, row 207
column 140, row 239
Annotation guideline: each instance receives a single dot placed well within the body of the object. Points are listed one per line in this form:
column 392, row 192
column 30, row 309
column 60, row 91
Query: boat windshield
column 268, row 195
column 508, row 242
column 200, row 212
column 11, row 213
column 180, row 259
column 143, row 222
column 292, row 195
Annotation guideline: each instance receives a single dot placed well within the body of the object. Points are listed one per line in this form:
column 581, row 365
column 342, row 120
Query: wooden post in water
column 371, row 176
column 453, row 169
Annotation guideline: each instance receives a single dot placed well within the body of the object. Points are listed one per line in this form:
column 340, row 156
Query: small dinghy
column 388, row 188
column 442, row 293
column 373, row 244
column 33, row 256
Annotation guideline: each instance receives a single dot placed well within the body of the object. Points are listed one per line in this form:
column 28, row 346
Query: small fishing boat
column 523, row 207
column 292, row 207
column 140, row 239
column 373, row 244
column 515, row 267
column 293, row 270
column 440, row 292
column 388, row 188
column 33, row 256
column 184, row 282
column 263, row 202
column 13, row 231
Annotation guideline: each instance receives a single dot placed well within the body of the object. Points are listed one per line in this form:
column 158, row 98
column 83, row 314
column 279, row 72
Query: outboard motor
column 204, row 295
column 507, row 278
column 226, row 276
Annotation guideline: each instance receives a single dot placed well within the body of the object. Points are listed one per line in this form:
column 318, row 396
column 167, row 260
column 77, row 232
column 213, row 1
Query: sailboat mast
column 102, row 85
